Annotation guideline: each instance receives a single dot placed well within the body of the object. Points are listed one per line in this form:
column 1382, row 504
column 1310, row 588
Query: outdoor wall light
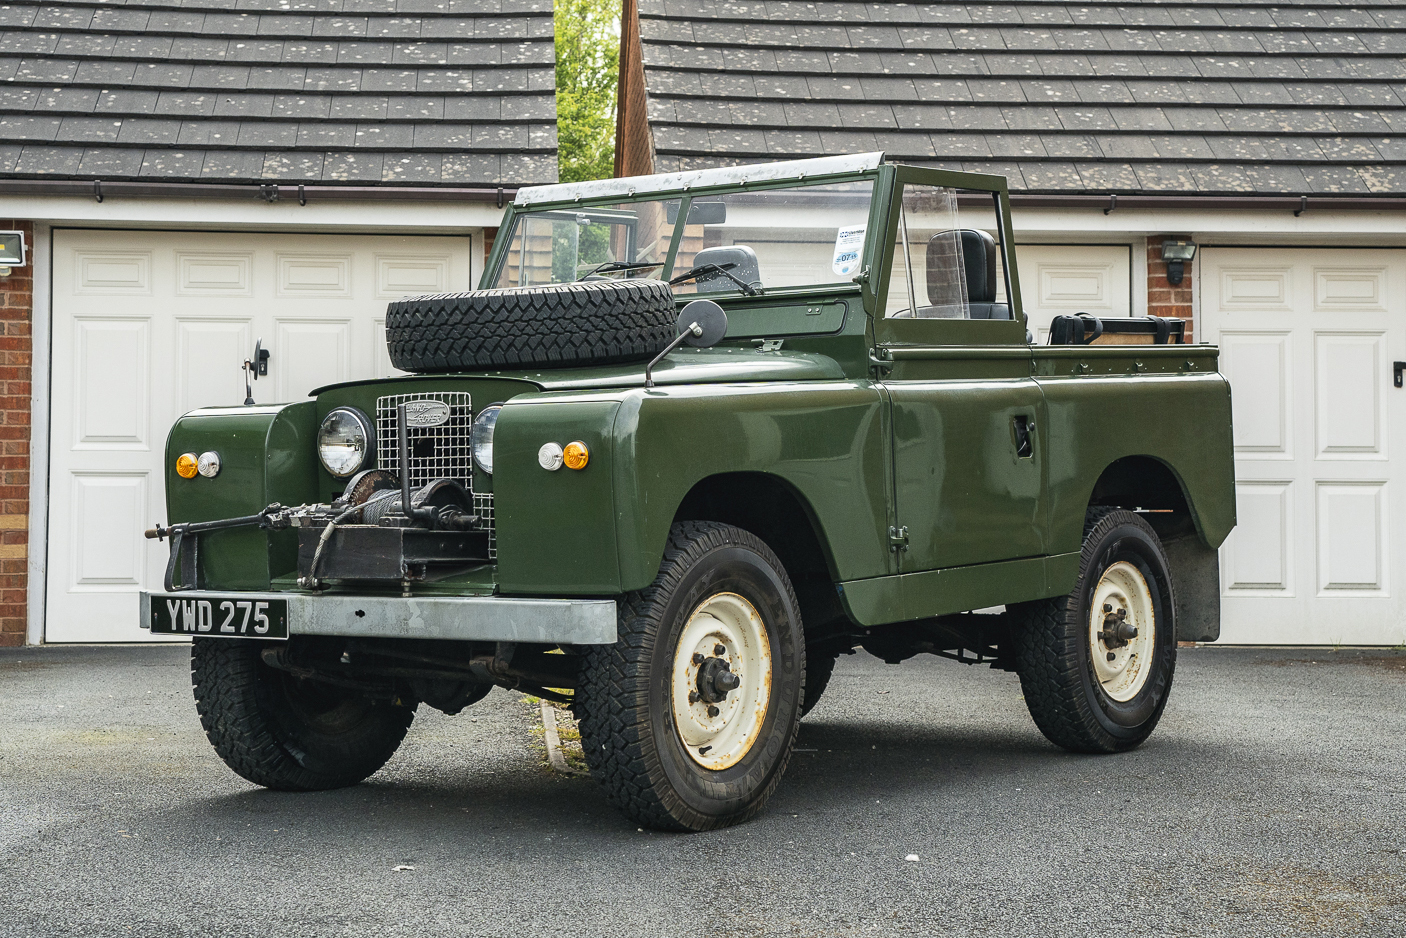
column 1176, row 254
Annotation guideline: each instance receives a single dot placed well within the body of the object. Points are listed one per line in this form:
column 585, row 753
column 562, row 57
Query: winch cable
column 310, row 581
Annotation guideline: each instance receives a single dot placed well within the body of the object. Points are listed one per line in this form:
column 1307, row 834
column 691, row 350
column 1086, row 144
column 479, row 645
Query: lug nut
column 697, row 658
column 719, row 650
column 694, row 696
column 1107, row 608
column 1111, row 656
column 713, row 711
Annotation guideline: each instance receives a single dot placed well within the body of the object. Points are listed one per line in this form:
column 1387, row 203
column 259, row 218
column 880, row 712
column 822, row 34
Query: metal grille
column 483, row 507
column 440, row 452
column 449, row 454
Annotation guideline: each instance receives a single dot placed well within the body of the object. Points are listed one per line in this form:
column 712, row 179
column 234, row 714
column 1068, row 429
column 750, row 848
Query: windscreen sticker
column 848, row 245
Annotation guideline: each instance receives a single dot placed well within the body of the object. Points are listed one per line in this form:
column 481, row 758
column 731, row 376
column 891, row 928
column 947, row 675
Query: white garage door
column 1308, row 338
column 150, row 325
column 1065, row 279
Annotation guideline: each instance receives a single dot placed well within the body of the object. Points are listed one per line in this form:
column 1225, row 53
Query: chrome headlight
column 481, row 437
column 345, row 441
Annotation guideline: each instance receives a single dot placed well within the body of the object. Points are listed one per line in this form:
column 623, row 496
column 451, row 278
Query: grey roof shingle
column 1188, row 96
column 412, row 92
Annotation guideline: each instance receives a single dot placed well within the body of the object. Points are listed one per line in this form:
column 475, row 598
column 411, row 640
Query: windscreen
column 732, row 242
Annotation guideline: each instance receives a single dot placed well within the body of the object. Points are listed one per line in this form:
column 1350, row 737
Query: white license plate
column 216, row 616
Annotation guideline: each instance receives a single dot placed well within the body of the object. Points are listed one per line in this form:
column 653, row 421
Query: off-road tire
column 1054, row 656
column 287, row 733
column 820, row 665
column 595, row 322
column 627, row 727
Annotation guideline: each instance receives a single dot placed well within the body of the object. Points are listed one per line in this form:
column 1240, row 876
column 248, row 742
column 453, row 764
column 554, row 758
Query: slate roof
column 1181, row 97
column 415, row 92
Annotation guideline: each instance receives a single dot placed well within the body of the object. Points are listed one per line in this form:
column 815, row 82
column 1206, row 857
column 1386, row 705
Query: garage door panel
column 311, row 353
column 1351, row 536
column 215, row 275
column 1337, row 288
column 314, row 276
column 109, row 512
column 199, row 342
column 1348, row 405
column 1258, row 365
column 1260, row 289
column 111, row 372
column 1258, row 554
column 102, row 273
column 407, row 276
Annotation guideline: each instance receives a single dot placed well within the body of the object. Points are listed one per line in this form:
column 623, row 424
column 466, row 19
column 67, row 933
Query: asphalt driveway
column 1271, row 801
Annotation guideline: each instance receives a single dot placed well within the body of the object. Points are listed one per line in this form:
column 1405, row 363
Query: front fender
column 603, row 530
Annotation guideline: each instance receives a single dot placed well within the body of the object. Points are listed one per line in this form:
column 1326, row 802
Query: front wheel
column 690, row 717
column 1096, row 665
column 287, row 732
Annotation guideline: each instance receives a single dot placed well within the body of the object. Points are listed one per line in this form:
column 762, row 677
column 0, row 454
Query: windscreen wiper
column 612, row 266
column 723, row 269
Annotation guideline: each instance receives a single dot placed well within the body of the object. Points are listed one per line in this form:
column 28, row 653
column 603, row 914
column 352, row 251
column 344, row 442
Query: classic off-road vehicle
column 698, row 435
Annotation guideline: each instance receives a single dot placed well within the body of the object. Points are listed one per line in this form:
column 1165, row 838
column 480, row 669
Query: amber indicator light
column 187, row 465
column 575, row 456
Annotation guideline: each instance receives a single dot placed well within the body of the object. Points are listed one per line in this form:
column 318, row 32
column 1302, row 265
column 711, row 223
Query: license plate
column 219, row 617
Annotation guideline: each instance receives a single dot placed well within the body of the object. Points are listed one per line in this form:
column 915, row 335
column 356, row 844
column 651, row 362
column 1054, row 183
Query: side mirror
column 701, row 324
column 709, row 317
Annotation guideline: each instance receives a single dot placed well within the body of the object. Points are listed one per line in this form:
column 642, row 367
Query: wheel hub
column 721, row 680
column 1122, row 631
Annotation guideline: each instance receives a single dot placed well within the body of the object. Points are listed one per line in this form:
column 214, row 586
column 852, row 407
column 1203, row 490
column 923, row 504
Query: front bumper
column 462, row 618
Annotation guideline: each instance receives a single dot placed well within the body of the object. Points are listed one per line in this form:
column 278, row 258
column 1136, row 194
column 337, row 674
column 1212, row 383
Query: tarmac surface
column 1271, row 801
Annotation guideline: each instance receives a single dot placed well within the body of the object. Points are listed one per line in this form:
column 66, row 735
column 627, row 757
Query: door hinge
column 898, row 539
column 880, row 361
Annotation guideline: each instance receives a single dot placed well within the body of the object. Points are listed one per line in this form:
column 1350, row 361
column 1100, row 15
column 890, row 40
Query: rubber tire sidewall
column 251, row 715
column 1127, row 721
column 722, row 794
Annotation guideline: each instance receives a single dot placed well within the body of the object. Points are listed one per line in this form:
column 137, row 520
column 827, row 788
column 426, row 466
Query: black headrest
column 747, row 269
column 978, row 257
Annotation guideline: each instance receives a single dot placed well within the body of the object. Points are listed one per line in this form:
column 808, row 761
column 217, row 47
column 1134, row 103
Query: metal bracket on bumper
column 463, row 618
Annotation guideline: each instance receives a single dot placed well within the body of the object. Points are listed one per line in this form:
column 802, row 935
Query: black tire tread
column 594, row 322
column 224, row 676
column 1049, row 658
column 614, row 691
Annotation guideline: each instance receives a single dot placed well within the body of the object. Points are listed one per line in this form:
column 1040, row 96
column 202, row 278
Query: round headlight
column 345, row 441
column 481, row 437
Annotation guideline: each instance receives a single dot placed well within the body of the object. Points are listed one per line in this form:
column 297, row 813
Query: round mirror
column 710, row 318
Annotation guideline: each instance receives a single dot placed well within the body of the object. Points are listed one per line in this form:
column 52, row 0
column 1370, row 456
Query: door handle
column 1396, row 368
column 1023, row 425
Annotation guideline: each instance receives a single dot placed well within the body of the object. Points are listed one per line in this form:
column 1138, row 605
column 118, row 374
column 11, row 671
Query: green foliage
column 588, row 70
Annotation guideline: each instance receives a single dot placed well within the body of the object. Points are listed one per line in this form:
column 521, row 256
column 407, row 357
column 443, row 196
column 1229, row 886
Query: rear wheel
column 690, row 717
column 285, row 732
column 1096, row 665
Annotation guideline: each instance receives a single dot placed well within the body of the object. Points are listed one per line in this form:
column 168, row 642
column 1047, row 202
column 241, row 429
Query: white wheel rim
column 1122, row 664
column 719, row 740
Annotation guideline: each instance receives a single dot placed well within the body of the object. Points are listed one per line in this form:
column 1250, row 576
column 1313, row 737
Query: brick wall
column 16, row 316
column 1163, row 299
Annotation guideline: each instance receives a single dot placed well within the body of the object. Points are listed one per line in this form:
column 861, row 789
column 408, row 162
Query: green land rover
column 698, row 435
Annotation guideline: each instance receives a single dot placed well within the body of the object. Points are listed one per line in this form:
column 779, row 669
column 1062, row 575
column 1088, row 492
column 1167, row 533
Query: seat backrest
column 747, row 268
column 979, row 264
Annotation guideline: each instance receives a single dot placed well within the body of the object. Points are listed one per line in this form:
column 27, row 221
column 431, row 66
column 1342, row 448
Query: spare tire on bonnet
column 593, row 322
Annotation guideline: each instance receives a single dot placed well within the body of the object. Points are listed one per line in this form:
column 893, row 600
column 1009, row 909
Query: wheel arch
column 774, row 510
column 1157, row 492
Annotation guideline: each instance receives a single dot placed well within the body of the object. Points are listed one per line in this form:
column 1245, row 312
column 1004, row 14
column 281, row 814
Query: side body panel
column 1107, row 403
